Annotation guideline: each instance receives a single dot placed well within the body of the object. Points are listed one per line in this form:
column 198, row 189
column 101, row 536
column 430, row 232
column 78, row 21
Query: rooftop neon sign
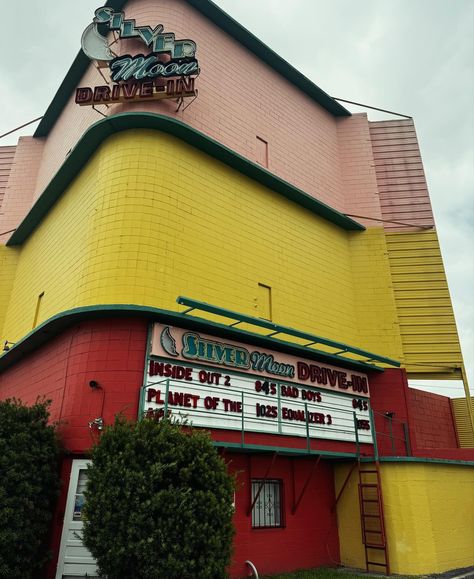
column 168, row 58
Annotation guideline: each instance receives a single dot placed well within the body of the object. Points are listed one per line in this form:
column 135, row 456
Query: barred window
column 267, row 510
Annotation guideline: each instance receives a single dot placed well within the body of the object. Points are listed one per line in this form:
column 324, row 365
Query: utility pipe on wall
column 253, row 568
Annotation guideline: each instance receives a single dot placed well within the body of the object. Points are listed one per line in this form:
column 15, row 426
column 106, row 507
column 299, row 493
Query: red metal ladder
column 372, row 518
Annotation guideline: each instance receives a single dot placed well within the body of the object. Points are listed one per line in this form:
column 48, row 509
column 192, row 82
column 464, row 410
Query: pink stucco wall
column 6, row 160
column 357, row 167
column 240, row 99
column 19, row 190
column 403, row 190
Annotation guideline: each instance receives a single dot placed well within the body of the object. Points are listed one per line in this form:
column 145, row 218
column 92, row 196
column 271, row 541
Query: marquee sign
column 190, row 346
column 168, row 71
column 227, row 385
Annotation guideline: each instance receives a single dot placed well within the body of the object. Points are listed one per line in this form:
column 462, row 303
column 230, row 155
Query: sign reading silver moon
column 96, row 46
column 168, row 71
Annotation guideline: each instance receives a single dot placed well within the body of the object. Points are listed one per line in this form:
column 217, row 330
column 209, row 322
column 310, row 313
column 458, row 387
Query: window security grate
column 267, row 510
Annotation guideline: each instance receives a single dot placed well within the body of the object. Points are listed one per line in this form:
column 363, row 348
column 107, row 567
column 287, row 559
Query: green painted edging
column 225, row 23
column 419, row 459
column 278, row 329
column 141, row 403
column 283, row 450
column 104, row 128
column 60, row 321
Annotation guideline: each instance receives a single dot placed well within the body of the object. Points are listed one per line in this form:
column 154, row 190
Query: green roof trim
column 420, row 459
column 279, row 329
column 98, row 132
column 282, row 450
column 63, row 320
column 225, row 23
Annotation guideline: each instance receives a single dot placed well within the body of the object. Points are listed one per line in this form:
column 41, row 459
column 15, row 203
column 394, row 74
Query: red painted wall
column 434, row 425
column 310, row 537
column 111, row 352
column 389, row 394
column 429, row 418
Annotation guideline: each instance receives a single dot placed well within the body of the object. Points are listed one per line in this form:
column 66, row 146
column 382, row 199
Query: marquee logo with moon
column 168, row 71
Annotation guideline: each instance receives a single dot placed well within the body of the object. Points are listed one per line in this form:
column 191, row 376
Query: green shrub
column 28, row 486
column 158, row 503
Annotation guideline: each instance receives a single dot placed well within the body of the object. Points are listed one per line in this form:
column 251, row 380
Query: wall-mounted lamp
column 390, row 414
column 7, row 344
column 97, row 424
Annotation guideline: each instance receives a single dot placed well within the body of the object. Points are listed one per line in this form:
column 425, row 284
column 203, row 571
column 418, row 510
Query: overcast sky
column 411, row 56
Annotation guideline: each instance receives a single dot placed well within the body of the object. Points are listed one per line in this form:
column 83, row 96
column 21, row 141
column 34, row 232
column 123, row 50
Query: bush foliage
column 158, row 503
column 28, row 485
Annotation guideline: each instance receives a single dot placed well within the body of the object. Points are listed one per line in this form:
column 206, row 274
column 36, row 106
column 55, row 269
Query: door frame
column 77, row 466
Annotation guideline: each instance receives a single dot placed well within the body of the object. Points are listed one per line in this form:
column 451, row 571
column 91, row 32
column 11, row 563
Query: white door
column 74, row 559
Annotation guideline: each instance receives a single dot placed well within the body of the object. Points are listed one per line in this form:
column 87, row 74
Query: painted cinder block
column 18, row 194
column 112, row 353
column 429, row 517
column 148, row 210
column 61, row 370
column 233, row 85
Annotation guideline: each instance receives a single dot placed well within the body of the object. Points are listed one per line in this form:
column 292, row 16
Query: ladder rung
column 375, row 546
column 371, row 516
column 368, row 471
column 369, row 485
column 379, row 564
column 370, row 500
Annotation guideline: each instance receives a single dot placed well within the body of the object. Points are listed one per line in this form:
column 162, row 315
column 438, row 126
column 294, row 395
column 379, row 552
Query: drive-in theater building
column 196, row 228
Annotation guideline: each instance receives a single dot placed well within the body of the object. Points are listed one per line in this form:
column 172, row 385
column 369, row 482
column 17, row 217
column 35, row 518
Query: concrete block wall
column 240, row 98
column 6, row 159
column 429, row 516
column 361, row 193
column 433, row 420
column 148, row 210
column 19, row 190
column 401, row 179
column 110, row 352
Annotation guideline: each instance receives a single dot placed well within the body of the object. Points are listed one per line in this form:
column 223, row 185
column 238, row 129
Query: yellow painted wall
column 429, row 517
column 462, row 421
column 150, row 218
column 375, row 306
column 348, row 518
column 8, row 263
column 427, row 326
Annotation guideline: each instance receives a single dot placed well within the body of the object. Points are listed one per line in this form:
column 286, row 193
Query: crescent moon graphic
column 94, row 45
column 168, row 343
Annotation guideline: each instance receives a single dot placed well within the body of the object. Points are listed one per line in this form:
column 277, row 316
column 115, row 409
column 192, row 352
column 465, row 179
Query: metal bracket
column 261, row 484
column 333, row 508
column 296, row 504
